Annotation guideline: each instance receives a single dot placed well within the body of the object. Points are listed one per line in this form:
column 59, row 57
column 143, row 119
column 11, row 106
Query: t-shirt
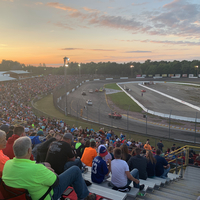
column 139, row 163
column 160, row 145
column 151, row 169
column 26, row 174
column 118, row 169
column 88, row 155
column 58, row 154
column 3, row 159
column 159, row 165
column 99, row 169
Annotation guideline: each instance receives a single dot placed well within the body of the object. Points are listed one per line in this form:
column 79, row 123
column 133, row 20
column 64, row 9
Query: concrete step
column 168, row 195
column 181, row 194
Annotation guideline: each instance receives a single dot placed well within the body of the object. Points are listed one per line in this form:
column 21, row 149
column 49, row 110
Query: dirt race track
column 159, row 103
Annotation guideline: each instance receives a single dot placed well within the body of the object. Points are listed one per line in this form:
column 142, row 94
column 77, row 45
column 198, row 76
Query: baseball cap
column 67, row 136
column 102, row 150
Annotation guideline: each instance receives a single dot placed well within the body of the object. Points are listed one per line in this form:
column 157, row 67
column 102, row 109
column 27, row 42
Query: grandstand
column 182, row 181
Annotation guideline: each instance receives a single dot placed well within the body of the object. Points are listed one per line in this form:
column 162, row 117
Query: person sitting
column 21, row 172
column 147, row 146
column 125, row 155
column 79, row 147
column 162, row 166
column 151, row 164
column 89, row 154
column 140, row 163
column 61, row 156
column 121, row 176
column 99, row 166
column 17, row 132
column 3, row 158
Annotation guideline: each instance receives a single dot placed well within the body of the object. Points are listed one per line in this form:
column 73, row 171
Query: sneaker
column 140, row 194
column 142, row 187
column 91, row 196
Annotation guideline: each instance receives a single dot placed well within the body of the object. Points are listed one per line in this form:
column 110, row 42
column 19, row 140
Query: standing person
column 140, row 163
column 160, row 145
column 173, row 147
column 121, row 176
column 162, row 166
column 151, row 164
column 21, row 172
column 99, row 166
column 147, row 146
column 60, row 155
column 3, row 158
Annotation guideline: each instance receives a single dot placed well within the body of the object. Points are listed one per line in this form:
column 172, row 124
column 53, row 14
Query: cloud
column 138, row 52
column 71, row 49
column 61, row 6
column 179, row 18
column 183, row 43
column 90, row 10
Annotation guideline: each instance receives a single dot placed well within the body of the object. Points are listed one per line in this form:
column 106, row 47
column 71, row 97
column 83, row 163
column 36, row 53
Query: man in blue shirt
column 99, row 166
column 162, row 166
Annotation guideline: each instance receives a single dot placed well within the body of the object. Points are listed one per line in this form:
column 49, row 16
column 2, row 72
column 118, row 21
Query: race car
column 91, row 91
column 100, row 90
column 115, row 115
column 89, row 102
column 96, row 90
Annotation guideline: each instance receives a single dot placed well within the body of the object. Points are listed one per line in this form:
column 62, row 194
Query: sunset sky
column 33, row 32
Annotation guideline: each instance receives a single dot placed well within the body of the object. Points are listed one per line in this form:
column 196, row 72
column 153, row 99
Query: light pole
column 65, row 72
column 197, row 71
column 131, row 70
column 79, row 65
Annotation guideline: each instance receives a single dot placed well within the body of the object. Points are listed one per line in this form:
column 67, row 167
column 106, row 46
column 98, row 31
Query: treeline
column 148, row 67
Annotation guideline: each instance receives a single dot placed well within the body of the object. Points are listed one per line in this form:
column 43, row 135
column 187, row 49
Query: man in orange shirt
column 147, row 146
column 89, row 154
column 3, row 158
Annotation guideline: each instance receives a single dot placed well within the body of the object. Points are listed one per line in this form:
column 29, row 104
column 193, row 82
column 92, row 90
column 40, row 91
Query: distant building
column 17, row 74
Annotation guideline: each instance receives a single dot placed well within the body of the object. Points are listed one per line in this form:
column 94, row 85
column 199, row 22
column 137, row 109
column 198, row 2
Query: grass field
column 124, row 102
column 46, row 105
column 121, row 100
column 113, row 86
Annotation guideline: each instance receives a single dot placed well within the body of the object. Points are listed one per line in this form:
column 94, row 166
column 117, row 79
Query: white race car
column 91, row 91
column 89, row 102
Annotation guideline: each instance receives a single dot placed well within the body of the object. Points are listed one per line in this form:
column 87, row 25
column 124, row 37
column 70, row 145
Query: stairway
column 187, row 188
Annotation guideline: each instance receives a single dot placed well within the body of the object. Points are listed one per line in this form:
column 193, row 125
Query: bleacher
column 173, row 188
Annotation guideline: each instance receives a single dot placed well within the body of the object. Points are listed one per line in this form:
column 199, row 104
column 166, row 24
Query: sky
column 34, row 32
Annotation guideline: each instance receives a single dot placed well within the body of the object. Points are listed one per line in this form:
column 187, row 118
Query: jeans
column 72, row 176
column 135, row 174
column 77, row 162
column 164, row 175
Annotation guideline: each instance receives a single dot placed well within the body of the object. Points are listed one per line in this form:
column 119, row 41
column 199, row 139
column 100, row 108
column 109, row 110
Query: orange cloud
column 61, row 6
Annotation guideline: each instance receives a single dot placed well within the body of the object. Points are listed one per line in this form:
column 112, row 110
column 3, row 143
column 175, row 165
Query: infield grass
column 113, row 86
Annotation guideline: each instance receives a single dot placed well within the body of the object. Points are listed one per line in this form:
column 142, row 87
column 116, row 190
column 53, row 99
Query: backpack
column 7, row 192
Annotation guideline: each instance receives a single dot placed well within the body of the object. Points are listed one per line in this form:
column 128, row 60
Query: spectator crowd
column 45, row 156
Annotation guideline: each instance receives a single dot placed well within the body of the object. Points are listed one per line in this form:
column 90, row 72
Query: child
column 99, row 166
